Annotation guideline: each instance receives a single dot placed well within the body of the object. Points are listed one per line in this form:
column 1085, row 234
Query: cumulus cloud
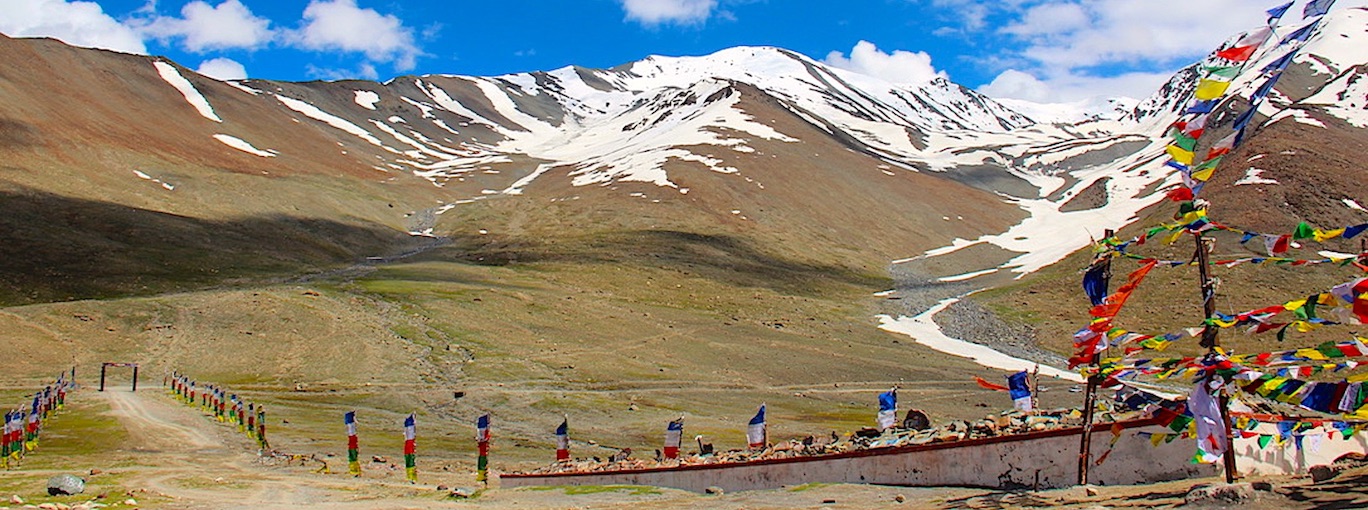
column 362, row 72
column 655, row 12
column 75, row 23
column 332, row 25
column 904, row 67
column 1069, row 50
column 1072, row 87
column 204, row 27
column 222, row 69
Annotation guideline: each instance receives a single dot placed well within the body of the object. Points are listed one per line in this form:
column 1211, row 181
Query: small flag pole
column 353, row 446
column 482, row 444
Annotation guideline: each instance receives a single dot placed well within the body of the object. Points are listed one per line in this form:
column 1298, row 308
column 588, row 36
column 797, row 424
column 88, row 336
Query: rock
column 459, row 493
column 48, row 506
column 1090, row 490
column 901, row 498
column 16, row 500
column 377, row 458
column 95, row 471
column 443, row 488
column 65, row 485
column 828, row 502
column 1262, row 486
column 1220, row 493
column 1322, row 473
column 714, row 490
column 131, row 502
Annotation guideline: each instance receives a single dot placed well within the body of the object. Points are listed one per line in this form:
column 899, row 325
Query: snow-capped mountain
column 747, row 137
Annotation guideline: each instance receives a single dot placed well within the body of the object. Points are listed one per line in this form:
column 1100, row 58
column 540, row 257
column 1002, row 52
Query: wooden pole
column 1090, row 400
column 1035, row 390
column 1211, row 342
column 135, row 378
column 102, row 375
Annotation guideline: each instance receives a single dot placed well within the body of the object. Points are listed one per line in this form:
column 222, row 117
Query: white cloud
column 75, row 23
column 655, row 12
column 362, row 72
column 222, row 69
column 1071, row 50
column 904, row 67
column 205, row 27
column 1071, row 87
column 331, row 25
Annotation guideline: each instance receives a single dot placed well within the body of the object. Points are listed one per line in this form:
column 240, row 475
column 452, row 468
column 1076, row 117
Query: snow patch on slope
column 242, row 145
column 925, row 331
column 367, row 99
column 192, row 95
column 314, row 113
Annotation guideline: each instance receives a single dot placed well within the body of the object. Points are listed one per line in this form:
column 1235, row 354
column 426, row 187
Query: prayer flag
column 1095, row 282
column 1301, row 34
column 1020, row 390
column 1201, row 107
column 990, row 386
column 674, row 432
column 755, row 432
column 1276, row 13
column 1245, row 47
column 888, row 409
column 411, row 448
column 1263, row 90
column 563, row 441
column 1243, row 119
column 1316, row 8
column 1211, row 89
column 1211, row 430
column 353, row 445
column 1180, row 154
column 1277, row 66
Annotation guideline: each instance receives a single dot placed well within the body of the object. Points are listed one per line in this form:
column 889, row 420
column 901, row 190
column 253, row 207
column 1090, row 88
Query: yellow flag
column 1204, row 174
column 1179, row 154
column 1210, row 89
column 1155, row 439
column 1325, row 235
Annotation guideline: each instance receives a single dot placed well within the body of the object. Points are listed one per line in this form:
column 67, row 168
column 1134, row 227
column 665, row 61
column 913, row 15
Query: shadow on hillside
column 55, row 248
column 729, row 259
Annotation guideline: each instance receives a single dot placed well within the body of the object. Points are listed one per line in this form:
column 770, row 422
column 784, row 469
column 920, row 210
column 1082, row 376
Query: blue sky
column 1040, row 50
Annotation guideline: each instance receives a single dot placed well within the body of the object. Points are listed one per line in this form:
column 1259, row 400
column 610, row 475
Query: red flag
column 989, row 386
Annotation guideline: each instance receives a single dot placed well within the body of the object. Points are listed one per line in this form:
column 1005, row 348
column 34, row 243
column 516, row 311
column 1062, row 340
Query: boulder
column 65, row 485
column 1322, row 473
column 1221, row 493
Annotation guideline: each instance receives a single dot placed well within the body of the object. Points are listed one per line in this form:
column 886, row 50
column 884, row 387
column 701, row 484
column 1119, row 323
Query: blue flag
column 1244, row 118
column 1280, row 64
column 1095, row 284
column 1202, row 106
column 1258, row 95
column 1277, row 12
column 1317, row 8
column 1020, row 390
column 1301, row 34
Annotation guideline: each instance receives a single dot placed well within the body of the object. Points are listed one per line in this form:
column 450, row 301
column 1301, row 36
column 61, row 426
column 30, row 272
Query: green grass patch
column 807, row 487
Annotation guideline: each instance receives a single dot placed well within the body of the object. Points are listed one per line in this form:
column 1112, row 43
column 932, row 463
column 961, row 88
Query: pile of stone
column 1009, row 423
